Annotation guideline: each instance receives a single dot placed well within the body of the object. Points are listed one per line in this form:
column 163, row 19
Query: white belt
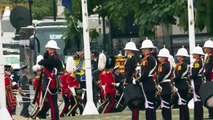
column 166, row 80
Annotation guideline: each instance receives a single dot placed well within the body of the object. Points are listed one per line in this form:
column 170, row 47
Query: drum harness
column 147, row 103
column 195, row 96
column 182, row 101
column 165, row 104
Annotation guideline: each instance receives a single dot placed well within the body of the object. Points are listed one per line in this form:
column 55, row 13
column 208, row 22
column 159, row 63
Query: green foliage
column 93, row 33
column 73, row 32
column 150, row 13
column 147, row 13
column 209, row 23
column 41, row 8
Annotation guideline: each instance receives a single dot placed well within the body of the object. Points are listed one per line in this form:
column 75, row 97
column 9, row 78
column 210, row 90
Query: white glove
column 134, row 81
column 159, row 88
column 117, row 84
column 54, row 71
column 14, row 83
column 175, row 89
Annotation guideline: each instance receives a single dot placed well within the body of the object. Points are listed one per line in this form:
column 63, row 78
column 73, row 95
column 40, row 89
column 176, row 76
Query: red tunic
column 72, row 82
column 64, row 85
column 11, row 100
column 107, row 79
column 35, row 84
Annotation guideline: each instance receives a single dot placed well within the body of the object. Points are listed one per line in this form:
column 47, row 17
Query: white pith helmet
column 130, row 46
column 101, row 61
column 52, row 44
column 70, row 65
column 198, row 50
column 36, row 68
column 182, row 52
column 164, row 52
column 147, row 44
column 208, row 44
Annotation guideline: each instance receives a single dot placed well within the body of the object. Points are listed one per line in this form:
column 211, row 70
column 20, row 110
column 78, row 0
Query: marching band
column 139, row 82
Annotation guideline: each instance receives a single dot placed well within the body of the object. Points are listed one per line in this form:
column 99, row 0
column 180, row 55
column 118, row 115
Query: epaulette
column 160, row 68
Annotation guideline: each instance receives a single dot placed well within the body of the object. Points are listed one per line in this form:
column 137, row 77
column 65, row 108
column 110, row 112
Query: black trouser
column 198, row 109
column 26, row 104
column 135, row 113
column 151, row 112
column 184, row 110
column 74, row 105
column 66, row 105
column 52, row 104
column 111, row 103
column 166, row 108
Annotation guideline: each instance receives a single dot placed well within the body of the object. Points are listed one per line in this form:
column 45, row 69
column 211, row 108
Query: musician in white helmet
column 208, row 66
column 52, row 64
column 196, row 81
column 130, row 66
column 148, row 68
column 181, row 82
column 164, row 82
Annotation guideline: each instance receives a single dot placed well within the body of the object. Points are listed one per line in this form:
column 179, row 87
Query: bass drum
column 206, row 94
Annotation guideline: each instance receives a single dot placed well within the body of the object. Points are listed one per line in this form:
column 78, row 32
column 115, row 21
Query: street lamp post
column 191, row 27
column 90, row 107
column 30, row 9
column 54, row 10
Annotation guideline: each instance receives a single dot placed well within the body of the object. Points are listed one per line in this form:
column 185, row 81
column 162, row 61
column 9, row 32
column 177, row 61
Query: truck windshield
column 46, row 33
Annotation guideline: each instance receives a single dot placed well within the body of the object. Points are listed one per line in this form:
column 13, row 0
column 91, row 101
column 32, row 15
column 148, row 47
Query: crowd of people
column 141, row 80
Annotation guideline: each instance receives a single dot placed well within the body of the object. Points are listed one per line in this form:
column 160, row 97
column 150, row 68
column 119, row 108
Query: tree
column 147, row 13
column 42, row 8
column 204, row 15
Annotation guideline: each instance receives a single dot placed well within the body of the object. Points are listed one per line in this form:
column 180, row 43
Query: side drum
column 206, row 94
column 133, row 95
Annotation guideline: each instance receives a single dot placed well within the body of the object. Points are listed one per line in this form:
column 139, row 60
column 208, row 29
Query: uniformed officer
column 65, row 91
column 164, row 82
column 101, row 82
column 51, row 64
column 108, row 81
column 25, row 93
column 10, row 98
column 181, row 83
column 148, row 67
column 119, row 78
column 196, row 81
column 75, row 98
column 38, row 70
column 130, row 66
column 208, row 66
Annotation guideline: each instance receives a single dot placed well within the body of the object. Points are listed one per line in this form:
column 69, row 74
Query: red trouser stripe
column 135, row 113
column 53, row 113
column 111, row 103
